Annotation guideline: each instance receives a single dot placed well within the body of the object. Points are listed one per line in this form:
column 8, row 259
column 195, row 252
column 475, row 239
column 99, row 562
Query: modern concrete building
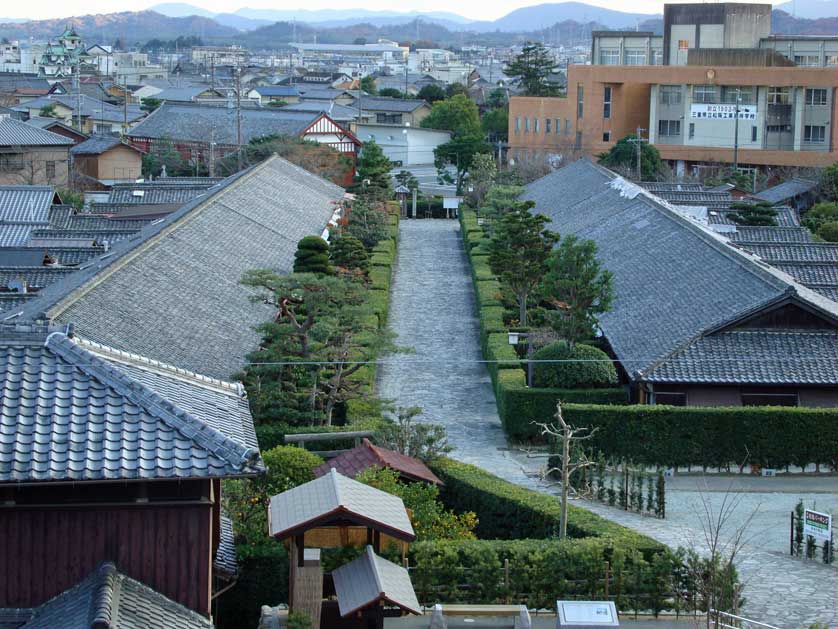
column 408, row 146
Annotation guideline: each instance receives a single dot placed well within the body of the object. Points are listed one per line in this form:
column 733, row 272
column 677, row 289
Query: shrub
column 420, row 440
column 312, row 256
column 829, row 231
column 575, row 375
column 349, row 252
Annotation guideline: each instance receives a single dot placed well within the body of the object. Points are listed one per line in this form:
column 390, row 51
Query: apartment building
column 715, row 87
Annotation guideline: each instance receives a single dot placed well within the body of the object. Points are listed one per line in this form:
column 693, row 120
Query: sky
column 473, row 9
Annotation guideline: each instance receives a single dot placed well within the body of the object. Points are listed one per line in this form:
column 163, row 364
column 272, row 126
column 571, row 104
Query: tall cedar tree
column 373, row 172
column 533, row 67
column 518, row 253
column 578, row 288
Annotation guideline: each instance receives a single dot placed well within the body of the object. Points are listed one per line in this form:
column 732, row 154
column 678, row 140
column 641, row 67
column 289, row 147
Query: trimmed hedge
column 488, row 293
column 590, row 373
column 508, row 511
column 380, row 278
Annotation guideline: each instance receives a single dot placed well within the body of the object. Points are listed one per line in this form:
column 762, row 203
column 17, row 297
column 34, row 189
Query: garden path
column 433, row 310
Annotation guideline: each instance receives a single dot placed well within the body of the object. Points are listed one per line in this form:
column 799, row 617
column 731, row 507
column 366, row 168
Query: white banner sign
column 723, row 112
column 818, row 525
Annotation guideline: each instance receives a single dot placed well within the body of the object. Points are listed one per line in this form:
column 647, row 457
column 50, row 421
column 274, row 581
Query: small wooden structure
column 334, row 511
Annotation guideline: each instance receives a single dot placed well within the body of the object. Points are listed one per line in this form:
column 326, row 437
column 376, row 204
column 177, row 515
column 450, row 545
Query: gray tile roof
column 786, row 190
column 791, row 252
column 318, row 92
column 277, row 90
column 811, row 272
column 53, row 237
column 26, row 204
column 78, row 411
column 35, row 276
column 96, row 145
column 90, row 107
column 659, row 187
column 34, row 256
column 370, row 580
column 16, row 133
column 108, row 598
column 17, row 234
column 185, row 94
column 99, row 222
column 786, row 217
column 715, row 200
column 334, row 494
column 674, row 279
column 382, row 103
column 199, row 123
column 755, row 356
column 154, row 192
column 177, row 297
column 225, row 557
column 338, row 113
column 748, row 234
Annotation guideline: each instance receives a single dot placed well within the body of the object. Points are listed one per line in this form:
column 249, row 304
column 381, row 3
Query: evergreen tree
column 757, row 214
column 431, row 93
column 373, row 172
column 312, row 256
column 368, row 85
column 349, row 253
column 623, row 156
column 534, row 67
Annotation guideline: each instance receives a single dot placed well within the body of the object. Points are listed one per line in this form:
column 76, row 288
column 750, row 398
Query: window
column 671, row 398
column 535, row 125
column 807, row 61
column 50, row 170
column 580, row 100
column 816, row 96
column 609, row 57
column 814, row 134
column 606, row 102
column 657, row 57
column 11, row 162
column 778, row 128
column 102, row 128
column 635, row 57
column 567, row 126
column 832, row 60
column 704, row 93
column 753, row 134
column 769, row 399
column 547, row 123
column 517, row 124
column 670, row 94
column 606, row 136
column 558, row 126
column 388, row 118
column 692, row 130
column 683, row 44
column 778, row 95
column 731, row 92
column 578, row 139
column 669, row 127
column 526, row 125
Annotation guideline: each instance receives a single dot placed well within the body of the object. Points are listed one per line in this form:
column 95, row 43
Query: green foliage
column 430, row 519
column 829, row 231
column 349, row 253
column 534, row 67
column 829, row 183
column 420, row 440
column 459, row 152
column 246, row 500
column 455, row 89
column 497, row 99
column 149, row 104
column 518, row 253
column 431, row 93
column 312, row 256
column 508, row 511
column 495, row 124
column 48, row 111
column 482, row 176
column 366, row 221
column 368, row 85
column 263, row 577
column 578, row 288
column 71, row 197
column 373, row 172
column 819, row 215
column 391, row 92
column 573, row 375
column 757, row 214
column 405, row 178
column 299, row 620
column 163, row 153
column 457, row 114
column 277, row 103
column 623, row 155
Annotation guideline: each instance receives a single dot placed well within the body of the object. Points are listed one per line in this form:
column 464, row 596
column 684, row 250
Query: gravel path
column 432, row 310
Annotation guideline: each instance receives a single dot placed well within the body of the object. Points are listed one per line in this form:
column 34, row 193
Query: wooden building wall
column 44, row 551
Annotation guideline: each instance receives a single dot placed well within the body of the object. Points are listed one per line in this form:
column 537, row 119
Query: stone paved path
column 432, row 310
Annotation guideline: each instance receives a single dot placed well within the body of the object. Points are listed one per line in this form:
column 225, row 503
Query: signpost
column 586, row 614
column 818, row 525
column 722, row 112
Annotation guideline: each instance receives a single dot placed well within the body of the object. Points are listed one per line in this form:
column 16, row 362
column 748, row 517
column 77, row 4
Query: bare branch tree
column 571, row 458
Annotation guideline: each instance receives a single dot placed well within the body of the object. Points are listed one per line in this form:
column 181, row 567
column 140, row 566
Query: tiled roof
column 277, row 90
column 338, row 113
column 786, row 217
column 225, row 556
column 90, row 107
column 332, row 495
column 201, row 123
column 173, row 292
column 16, row 133
column 789, row 252
column 381, row 103
column 367, row 455
column 786, row 190
column 99, row 222
column 371, row 580
column 154, row 192
column 754, row 356
column 748, row 234
column 17, row 234
column 811, row 272
column 704, row 198
column 658, row 255
column 96, row 145
column 35, row 277
column 661, row 187
column 318, row 92
column 52, row 237
column 185, row 94
column 26, row 204
column 34, row 256
column 77, row 411
column 108, row 598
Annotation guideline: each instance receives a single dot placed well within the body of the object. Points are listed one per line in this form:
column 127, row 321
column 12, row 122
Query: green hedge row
column 508, row 511
column 540, row 572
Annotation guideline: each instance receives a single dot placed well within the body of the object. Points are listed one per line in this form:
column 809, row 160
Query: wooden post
column 506, row 578
column 607, row 570
column 791, row 534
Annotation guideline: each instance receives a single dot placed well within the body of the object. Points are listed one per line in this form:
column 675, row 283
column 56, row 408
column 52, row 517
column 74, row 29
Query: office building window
column 635, row 57
column 657, row 57
column 558, row 126
column 745, row 94
column 704, row 94
column 816, row 96
column 609, row 57
column 807, row 61
column 832, row 60
column 547, row 123
column 606, row 102
column 526, row 125
column 517, row 124
column 578, row 139
column 669, row 128
column 535, row 124
column 606, row 136
column 778, row 96
column 388, row 118
column 814, row 134
column 50, row 168
column 753, row 134
column 670, row 94
column 692, row 130
column 580, row 100
column 567, row 126
column 683, row 44
column 778, row 128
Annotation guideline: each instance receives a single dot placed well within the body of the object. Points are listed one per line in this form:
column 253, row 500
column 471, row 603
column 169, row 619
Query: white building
column 408, row 146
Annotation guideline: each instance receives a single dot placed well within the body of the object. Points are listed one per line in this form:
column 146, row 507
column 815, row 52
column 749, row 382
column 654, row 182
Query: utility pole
column 405, row 79
column 78, row 95
column 736, row 131
column 212, row 153
column 638, row 147
column 239, row 115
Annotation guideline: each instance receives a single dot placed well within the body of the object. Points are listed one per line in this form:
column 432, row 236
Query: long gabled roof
column 172, row 292
column 786, row 190
column 367, row 455
column 108, row 598
column 16, row 133
column 77, row 411
column 675, row 280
